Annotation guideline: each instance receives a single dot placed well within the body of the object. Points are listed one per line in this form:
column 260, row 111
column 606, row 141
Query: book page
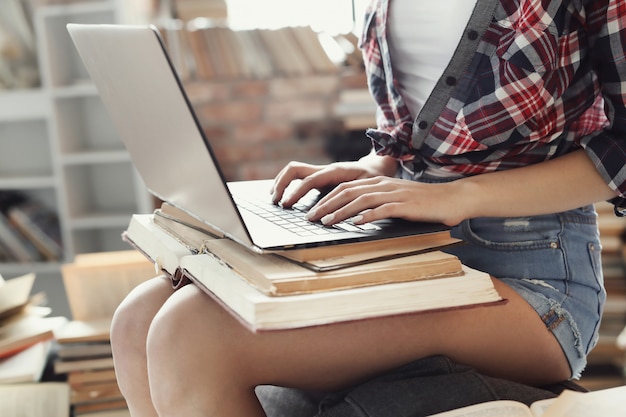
column 538, row 408
column 14, row 293
column 35, row 400
column 490, row 409
column 96, row 284
column 603, row 403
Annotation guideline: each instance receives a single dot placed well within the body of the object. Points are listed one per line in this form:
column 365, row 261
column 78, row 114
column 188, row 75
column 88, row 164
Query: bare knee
column 133, row 316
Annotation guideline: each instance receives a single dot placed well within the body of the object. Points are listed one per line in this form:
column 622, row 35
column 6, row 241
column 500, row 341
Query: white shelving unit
column 58, row 144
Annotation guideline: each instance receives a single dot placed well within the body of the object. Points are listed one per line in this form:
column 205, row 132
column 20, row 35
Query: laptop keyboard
column 294, row 219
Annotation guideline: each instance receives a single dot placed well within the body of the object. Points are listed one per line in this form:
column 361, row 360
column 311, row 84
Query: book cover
column 25, row 366
column 26, row 331
column 62, row 366
column 80, row 378
column 77, row 331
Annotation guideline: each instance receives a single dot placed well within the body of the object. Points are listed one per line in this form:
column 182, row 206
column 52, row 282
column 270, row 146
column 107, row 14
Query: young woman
column 505, row 119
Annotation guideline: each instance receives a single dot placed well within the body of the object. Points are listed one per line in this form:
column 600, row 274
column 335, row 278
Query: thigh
column 507, row 341
column 553, row 262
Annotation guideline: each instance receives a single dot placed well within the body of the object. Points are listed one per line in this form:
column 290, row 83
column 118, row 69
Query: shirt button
column 451, row 81
column 422, row 125
column 472, row 35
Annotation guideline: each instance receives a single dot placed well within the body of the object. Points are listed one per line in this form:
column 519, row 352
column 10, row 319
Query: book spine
column 39, row 227
column 20, row 249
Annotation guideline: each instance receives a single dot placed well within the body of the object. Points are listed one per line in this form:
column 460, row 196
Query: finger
column 316, row 181
column 348, row 200
column 344, row 193
column 352, row 213
column 292, row 171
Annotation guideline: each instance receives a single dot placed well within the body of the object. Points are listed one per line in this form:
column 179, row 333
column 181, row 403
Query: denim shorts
column 553, row 262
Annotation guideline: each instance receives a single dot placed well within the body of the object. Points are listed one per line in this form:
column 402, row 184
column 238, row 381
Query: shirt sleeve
column 607, row 30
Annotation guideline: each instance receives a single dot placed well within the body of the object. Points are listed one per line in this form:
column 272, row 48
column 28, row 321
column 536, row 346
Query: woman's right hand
column 322, row 177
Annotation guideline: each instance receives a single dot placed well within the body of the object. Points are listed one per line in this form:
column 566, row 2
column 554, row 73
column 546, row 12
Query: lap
column 506, row 341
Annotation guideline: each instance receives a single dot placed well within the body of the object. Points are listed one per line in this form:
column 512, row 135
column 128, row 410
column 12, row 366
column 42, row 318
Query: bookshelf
column 59, row 147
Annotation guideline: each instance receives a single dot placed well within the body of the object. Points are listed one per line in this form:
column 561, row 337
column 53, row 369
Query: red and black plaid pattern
column 548, row 76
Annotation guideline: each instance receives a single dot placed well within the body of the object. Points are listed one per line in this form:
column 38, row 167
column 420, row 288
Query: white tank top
column 422, row 37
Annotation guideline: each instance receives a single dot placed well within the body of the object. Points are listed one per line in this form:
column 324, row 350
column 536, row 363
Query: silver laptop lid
column 161, row 134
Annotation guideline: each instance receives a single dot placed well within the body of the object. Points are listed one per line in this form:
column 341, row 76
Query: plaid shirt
column 530, row 80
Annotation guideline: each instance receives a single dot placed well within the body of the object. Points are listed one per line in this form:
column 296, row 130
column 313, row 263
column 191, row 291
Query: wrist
column 469, row 199
column 380, row 164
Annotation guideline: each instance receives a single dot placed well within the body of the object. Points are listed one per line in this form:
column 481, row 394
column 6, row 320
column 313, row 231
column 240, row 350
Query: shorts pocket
column 520, row 247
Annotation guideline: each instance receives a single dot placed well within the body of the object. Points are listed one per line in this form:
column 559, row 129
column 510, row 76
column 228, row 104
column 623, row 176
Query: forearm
column 561, row 184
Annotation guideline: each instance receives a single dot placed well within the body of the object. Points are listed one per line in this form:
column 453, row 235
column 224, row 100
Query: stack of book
column 29, row 230
column 307, row 287
column 356, row 108
column 84, row 357
column 79, row 351
column 209, row 49
column 95, row 284
column 26, row 340
column 26, row 331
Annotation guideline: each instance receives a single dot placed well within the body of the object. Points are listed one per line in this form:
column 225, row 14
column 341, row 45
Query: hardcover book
column 249, row 298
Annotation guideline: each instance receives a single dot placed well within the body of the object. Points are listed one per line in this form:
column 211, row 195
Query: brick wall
column 258, row 126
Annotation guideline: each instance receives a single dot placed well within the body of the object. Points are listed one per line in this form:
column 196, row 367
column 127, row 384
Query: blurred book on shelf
column 207, row 49
column 29, row 230
column 18, row 52
column 190, row 9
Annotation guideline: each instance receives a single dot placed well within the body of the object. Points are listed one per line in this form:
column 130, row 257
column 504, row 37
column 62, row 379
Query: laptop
column 150, row 111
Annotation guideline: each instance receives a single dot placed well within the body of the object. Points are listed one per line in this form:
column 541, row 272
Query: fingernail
column 311, row 214
column 357, row 218
column 328, row 218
